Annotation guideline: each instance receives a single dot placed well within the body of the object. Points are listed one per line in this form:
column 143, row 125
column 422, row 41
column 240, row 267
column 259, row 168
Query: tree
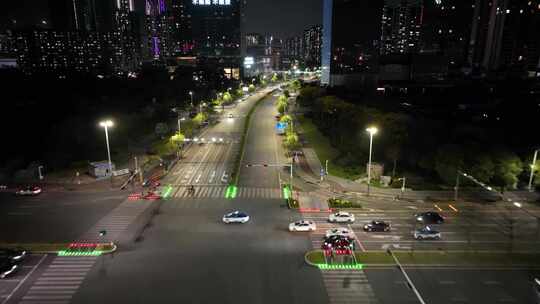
column 251, row 88
column 448, row 160
column 227, row 97
column 481, row 166
column 286, row 93
column 291, row 141
column 161, row 129
column 508, row 166
column 285, row 119
column 274, row 77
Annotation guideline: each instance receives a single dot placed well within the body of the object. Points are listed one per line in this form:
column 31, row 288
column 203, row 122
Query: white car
column 29, row 190
column 341, row 217
column 302, row 226
column 225, row 177
column 236, row 217
column 426, row 233
column 338, row 231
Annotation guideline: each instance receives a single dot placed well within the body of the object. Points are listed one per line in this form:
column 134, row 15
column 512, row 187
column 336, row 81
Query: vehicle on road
column 426, row 233
column 230, row 115
column 3, row 187
column 302, row 226
column 429, row 217
column 7, row 268
column 378, row 226
column 29, row 191
column 338, row 231
column 341, row 217
column 205, row 123
column 338, row 243
column 225, row 177
column 14, row 255
column 236, row 217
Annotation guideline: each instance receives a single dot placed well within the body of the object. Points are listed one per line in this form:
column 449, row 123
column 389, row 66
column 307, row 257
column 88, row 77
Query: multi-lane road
column 177, row 250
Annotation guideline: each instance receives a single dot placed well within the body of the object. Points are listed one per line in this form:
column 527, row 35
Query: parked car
column 7, row 268
column 225, row 177
column 29, row 191
column 14, row 255
column 378, row 226
column 338, row 231
column 302, row 226
column 429, row 217
column 236, row 217
column 427, row 233
column 341, row 217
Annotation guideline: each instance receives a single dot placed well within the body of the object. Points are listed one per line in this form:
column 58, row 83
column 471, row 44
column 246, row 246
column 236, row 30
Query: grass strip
column 460, row 258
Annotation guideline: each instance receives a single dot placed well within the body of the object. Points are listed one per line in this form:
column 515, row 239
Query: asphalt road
column 56, row 216
column 454, row 285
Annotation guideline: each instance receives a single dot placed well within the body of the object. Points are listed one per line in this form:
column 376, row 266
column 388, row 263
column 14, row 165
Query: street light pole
column 456, row 188
column 191, row 96
column 403, row 186
column 371, row 131
column 533, row 167
column 106, row 124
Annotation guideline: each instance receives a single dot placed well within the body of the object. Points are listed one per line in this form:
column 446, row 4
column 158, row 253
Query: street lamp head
column 517, row 204
column 191, row 93
column 372, row 130
column 106, row 123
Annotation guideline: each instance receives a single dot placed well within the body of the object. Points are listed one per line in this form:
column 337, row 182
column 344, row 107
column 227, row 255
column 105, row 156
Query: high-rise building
column 504, row 35
column 180, row 27
column 81, row 15
column 312, row 46
column 401, row 26
column 444, row 31
column 61, row 52
column 294, row 48
column 158, row 27
column 216, row 33
column 126, row 27
column 350, row 31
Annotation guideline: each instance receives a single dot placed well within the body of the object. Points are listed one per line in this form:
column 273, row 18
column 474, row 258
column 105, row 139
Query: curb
column 308, row 261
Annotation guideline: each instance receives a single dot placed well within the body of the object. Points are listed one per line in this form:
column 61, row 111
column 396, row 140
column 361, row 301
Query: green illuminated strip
column 231, row 192
column 339, row 266
column 286, row 192
column 81, row 253
column 167, row 192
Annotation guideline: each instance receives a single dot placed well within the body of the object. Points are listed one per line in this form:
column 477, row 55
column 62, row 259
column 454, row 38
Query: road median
column 437, row 258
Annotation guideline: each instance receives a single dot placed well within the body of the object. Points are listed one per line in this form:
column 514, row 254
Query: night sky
column 283, row 18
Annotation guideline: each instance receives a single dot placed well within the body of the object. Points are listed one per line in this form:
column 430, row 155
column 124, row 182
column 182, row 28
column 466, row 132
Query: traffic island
column 434, row 259
column 320, row 259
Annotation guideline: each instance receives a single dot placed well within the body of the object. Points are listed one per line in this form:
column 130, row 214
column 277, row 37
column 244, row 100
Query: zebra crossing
column 59, row 281
column 220, row 191
column 115, row 222
column 343, row 286
column 64, row 275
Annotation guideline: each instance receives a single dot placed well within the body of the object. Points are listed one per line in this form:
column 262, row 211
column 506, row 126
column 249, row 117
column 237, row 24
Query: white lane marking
column 22, row 281
column 198, row 178
column 212, row 176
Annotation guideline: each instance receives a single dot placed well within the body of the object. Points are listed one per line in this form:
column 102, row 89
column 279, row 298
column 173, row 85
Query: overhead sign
column 249, row 61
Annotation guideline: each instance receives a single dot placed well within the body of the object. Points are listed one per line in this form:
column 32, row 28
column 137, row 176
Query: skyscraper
column 312, row 46
column 401, row 26
column 216, row 33
column 125, row 25
column 504, row 35
column 81, row 15
column 158, row 28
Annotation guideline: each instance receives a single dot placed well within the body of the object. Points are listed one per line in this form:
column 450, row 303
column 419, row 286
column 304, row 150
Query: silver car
column 427, row 233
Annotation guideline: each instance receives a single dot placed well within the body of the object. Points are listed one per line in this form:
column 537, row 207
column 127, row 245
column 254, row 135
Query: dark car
column 379, row 226
column 338, row 242
column 14, row 255
column 28, row 191
column 7, row 268
column 429, row 217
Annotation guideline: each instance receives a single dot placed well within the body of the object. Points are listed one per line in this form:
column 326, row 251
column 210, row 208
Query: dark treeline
column 425, row 141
